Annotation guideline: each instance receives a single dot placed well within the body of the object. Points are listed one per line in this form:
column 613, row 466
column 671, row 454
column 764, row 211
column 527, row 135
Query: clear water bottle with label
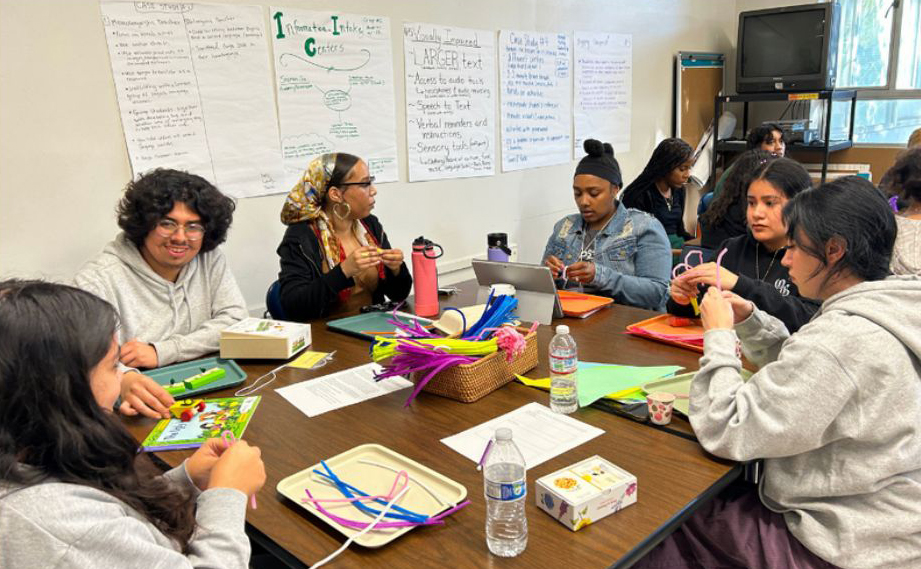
column 505, row 488
column 563, row 366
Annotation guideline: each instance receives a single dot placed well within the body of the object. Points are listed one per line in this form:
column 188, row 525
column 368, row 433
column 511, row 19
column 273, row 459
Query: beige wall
column 63, row 161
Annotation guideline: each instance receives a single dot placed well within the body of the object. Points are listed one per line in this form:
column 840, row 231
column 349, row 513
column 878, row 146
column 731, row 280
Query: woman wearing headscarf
column 334, row 248
column 659, row 189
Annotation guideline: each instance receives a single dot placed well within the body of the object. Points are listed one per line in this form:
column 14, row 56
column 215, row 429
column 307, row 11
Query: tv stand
column 826, row 147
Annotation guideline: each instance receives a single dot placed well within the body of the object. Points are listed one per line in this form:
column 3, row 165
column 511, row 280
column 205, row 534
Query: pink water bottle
column 425, row 276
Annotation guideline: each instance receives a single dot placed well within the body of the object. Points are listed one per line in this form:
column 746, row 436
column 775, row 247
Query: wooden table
column 674, row 474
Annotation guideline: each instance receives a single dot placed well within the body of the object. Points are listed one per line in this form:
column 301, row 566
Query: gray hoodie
column 906, row 257
column 60, row 525
column 835, row 411
column 183, row 320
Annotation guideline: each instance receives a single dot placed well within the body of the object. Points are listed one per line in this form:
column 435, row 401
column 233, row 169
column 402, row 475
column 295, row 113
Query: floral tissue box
column 585, row 492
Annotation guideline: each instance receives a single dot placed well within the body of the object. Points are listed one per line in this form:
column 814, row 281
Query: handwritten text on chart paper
column 450, row 101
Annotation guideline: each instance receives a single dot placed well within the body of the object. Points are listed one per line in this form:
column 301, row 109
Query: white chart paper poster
column 195, row 92
column 535, row 99
column 450, row 101
column 603, row 74
column 334, row 76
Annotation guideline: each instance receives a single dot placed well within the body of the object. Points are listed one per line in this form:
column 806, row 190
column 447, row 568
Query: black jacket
column 307, row 292
column 772, row 292
column 648, row 198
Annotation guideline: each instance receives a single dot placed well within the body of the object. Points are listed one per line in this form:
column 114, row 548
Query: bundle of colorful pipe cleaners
column 424, row 352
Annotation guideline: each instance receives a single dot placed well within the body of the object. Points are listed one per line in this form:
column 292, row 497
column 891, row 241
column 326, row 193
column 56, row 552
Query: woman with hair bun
column 606, row 248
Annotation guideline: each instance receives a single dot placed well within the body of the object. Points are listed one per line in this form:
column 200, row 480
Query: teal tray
column 177, row 373
column 364, row 325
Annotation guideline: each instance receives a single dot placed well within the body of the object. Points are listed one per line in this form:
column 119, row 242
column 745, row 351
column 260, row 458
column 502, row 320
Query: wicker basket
column 469, row 382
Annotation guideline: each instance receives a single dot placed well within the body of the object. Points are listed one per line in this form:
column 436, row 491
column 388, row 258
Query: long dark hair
column 903, row 180
column 736, row 186
column 151, row 197
column 785, row 174
column 53, row 336
column 850, row 209
column 668, row 155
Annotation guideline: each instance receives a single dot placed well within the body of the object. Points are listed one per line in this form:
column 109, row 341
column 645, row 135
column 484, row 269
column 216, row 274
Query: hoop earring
column 342, row 216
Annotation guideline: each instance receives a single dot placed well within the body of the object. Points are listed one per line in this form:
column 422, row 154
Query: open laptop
column 534, row 288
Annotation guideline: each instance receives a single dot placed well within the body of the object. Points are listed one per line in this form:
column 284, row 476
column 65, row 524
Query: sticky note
column 308, row 359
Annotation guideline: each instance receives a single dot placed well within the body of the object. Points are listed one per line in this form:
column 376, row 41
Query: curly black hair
column 151, row 197
column 763, row 134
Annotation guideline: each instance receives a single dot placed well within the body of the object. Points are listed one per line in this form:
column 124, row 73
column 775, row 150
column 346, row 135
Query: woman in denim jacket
column 608, row 249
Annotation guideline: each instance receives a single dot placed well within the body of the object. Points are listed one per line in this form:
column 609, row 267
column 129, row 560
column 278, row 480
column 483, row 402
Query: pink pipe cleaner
column 510, row 341
column 719, row 263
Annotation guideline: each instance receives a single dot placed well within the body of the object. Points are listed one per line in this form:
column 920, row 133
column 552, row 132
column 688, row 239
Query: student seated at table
column 725, row 218
column 334, row 249
column 767, row 137
column 752, row 265
column 903, row 181
column 608, row 248
column 74, row 489
column 167, row 279
column 833, row 409
column 659, row 189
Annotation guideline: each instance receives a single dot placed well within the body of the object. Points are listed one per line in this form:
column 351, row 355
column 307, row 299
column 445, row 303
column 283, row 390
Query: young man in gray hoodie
column 168, row 280
column 833, row 409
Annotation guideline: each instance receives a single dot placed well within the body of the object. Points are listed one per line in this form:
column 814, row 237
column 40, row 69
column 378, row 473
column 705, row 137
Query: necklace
column 758, row 269
column 584, row 253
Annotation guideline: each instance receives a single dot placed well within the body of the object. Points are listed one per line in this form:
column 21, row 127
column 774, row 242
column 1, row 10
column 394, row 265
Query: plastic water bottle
column 563, row 366
column 506, row 489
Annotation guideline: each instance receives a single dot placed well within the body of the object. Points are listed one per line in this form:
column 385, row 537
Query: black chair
column 273, row 302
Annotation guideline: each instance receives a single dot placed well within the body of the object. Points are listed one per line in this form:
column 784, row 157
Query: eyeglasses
column 362, row 185
column 167, row 227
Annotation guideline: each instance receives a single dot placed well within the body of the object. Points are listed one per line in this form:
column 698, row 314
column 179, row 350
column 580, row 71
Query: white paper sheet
column 341, row 389
column 334, row 78
column 450, row 101
column 603, row 89
column 539, row 433
column 195, row 92
column 535, row 99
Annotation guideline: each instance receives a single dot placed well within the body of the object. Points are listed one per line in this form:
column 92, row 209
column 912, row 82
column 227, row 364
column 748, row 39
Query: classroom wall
column 63, row 161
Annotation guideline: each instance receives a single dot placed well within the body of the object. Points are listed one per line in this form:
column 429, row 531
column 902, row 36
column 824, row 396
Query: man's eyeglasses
column 362, row 185
column 167, row 227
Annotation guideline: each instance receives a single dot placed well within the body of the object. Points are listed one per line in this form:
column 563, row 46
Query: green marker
column 202, row 379
column 175, row 389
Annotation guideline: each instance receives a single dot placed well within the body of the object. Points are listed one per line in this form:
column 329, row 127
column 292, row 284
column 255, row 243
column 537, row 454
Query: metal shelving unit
column 827, row 146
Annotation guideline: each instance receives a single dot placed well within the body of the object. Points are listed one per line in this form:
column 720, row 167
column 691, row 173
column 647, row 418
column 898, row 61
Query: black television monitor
column 791, row 48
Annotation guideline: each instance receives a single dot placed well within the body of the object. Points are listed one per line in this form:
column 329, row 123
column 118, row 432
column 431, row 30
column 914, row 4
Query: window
column 879, row 54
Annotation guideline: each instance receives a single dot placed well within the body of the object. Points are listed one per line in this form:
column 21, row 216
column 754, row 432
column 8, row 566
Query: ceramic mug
column 660, row 406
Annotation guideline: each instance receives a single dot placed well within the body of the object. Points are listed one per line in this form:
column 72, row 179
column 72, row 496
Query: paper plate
column 372, row 468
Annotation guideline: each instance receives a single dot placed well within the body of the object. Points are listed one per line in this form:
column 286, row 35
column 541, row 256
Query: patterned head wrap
column 305, row 203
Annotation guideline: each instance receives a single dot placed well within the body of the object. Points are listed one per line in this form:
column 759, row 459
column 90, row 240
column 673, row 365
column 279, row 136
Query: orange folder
column 581, row 305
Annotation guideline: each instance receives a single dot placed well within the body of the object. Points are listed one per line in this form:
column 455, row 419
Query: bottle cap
column 562, row 329
column 504, row 434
